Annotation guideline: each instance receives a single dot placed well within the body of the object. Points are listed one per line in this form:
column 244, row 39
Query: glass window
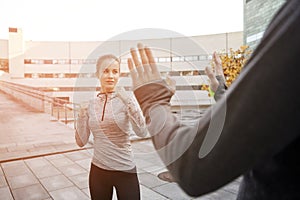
column 202, row 57
column 191, row 58
column 74, row 61
column 164, row 59
column 63, row 61
column 177, row 58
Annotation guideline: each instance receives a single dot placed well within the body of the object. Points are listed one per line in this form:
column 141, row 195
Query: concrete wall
column 3, row 48
column 16, row 54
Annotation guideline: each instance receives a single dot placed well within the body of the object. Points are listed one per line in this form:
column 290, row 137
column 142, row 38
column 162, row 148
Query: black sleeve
column 221, row 88
column 256, row 119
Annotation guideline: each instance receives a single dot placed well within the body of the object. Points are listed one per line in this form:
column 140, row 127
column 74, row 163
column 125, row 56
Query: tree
column 232, row 64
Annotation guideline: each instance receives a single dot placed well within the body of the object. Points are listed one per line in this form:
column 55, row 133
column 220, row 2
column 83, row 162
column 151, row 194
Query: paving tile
column 89, row 151
column 72, row 170
column 13, row 155
column 205, row 197
column 86, row 163
column 46, row 171
column 33, row 192
column 69, row 193
column 77, row 155
column 221, row 194
column 5, row 193
column 140, row 171
column 3, row 150
column 86, row 191
column 15, row 168
column 22, row 181
column 142, row 163
column 41, row 150
column 232, row 187
column 65, row 175
column 65, row 146
column 171, row 191
column 35, row 163
column 81, row 180
column 20, row 147
column 2, row 181
column 148, row 194
column 16, row 163
column 153, row 169
column 150, row 181
column 56, row 182
column 54, row 156
column 60, row 162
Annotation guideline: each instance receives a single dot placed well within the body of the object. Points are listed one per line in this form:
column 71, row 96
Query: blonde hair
column 101, row 59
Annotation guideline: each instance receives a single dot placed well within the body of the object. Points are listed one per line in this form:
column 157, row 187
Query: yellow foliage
column 233, row 63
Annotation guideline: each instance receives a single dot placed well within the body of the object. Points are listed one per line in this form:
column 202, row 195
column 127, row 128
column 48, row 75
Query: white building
column 60, row 68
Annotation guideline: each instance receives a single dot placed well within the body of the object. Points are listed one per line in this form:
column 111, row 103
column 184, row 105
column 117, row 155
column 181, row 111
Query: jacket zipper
column 104, row 106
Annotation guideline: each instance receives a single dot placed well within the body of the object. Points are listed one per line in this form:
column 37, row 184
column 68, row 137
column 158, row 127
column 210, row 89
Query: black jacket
column 252, row 130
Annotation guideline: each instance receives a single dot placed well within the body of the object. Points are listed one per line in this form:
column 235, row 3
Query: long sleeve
column 257, row 118
column 221, row 88
column 136, row 118
column 82, row 130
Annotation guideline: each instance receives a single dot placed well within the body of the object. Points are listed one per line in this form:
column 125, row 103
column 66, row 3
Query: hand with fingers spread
column 218, row 65
column 145, row 72
column 214, row 73
column 242, row 134
column 216, row 77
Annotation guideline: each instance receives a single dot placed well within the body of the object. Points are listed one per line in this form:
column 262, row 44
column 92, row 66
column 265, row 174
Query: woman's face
column 109, row 75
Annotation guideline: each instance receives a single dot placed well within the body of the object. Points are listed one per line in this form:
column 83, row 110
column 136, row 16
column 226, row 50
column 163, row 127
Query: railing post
column 52, row 112
column 58, row 111
column 66, row 117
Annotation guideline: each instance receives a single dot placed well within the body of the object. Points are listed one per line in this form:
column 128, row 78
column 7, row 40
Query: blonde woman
column 111, row 117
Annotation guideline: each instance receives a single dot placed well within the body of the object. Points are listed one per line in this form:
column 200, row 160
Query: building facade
column 257, row 15
column 42, row 59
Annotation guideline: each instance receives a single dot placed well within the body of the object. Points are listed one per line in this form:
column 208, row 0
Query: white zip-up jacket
column 111, row 120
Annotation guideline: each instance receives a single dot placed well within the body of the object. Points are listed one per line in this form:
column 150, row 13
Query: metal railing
column 59, row 109
column 65, row 111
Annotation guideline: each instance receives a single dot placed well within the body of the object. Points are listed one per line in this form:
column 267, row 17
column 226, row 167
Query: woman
column 110, row 117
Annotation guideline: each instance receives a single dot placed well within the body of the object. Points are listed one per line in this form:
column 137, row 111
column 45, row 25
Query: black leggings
column 101, row 183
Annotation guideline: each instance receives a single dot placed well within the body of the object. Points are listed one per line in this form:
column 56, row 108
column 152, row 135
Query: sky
column 100, row 20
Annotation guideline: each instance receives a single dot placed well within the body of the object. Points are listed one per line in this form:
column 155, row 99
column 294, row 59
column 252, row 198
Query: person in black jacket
column 251, row 131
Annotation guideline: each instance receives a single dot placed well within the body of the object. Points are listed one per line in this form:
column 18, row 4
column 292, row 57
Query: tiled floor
column 65, row 176
column 39, row 160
